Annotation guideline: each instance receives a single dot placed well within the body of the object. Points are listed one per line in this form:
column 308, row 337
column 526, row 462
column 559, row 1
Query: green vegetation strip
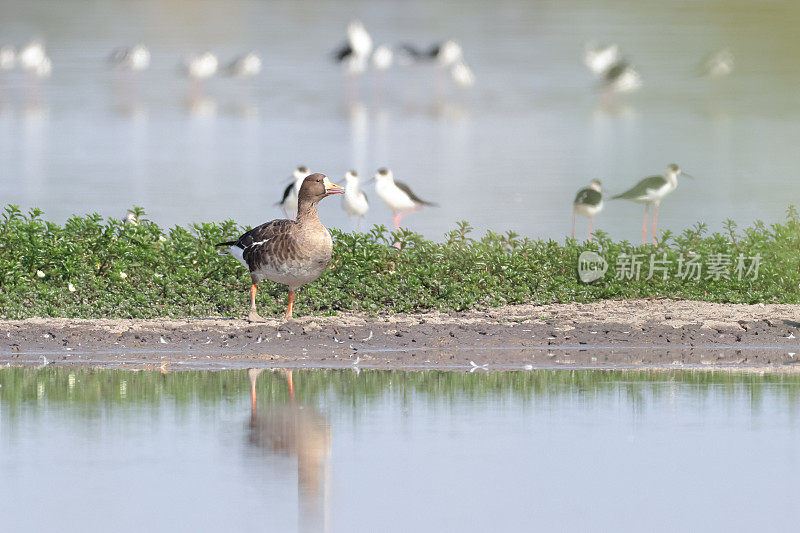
column 95, row 268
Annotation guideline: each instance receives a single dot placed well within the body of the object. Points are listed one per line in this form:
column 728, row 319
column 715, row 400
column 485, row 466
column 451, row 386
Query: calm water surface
column 394, row 451
column 508, row 154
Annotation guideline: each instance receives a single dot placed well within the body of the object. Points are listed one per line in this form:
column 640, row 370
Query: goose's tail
column 227, row 245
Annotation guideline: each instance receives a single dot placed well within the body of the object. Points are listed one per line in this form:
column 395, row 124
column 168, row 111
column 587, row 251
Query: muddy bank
column 629, row 333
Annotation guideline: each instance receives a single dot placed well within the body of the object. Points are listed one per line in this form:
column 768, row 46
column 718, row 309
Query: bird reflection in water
column 299, row 431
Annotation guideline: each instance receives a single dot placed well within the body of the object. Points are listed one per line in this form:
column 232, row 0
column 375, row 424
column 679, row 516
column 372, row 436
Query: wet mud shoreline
column 608, row 334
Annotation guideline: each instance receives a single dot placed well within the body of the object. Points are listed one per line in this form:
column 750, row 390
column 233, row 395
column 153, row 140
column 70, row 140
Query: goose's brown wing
column 270, row 243
column 416, row 199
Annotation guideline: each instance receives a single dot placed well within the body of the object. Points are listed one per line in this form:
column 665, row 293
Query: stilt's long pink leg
column 573, row 224
column 655, row 222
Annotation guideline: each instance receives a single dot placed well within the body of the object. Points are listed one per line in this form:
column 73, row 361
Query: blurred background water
column 506, row 154
column 89, row 450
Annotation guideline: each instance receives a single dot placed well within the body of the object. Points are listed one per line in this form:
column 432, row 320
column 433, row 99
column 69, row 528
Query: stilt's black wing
column 286, row 192
column 587, row 196
column 406, row 189
column 342, row 53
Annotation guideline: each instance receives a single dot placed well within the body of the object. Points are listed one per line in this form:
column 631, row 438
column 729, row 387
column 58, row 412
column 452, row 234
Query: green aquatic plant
column 94, row 267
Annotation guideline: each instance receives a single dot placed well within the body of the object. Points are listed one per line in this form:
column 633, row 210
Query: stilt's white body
column 246, row 66
column 627, row 82
column 354, row 201
column 136, row 58
column 31, row 56
column 588, row 210
column 382, row 57
column 359, row 39
column 600, row 59
column 202, row 66
column 654, row 196
column 719, row 64
column 462, row 74
column 449, row 54
column 290, row 204
column 8, row 58
column 394, row 198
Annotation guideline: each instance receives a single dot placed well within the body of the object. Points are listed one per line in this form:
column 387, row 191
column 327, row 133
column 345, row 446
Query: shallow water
column 397, row 451
column 507, row 155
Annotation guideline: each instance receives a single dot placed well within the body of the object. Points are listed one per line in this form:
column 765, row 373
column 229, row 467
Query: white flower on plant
column 71, row 287
column 39, row 274
column 162, row 238
column 123, row 275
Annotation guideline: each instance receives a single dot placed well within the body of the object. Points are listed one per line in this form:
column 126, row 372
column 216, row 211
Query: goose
column 397, row 196
column 289, row 252
column 652, row 190
column 588, row 202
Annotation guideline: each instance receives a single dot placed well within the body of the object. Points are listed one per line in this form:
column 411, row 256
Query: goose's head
column 317, row 186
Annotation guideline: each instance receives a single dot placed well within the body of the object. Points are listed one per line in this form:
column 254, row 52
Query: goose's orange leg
column 290, row 383
column 291, row 305
column 253, row 316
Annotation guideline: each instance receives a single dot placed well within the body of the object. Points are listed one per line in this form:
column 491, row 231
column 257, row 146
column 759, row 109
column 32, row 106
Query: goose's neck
column 307, row 211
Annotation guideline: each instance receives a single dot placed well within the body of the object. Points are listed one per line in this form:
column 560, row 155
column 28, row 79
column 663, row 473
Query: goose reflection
column 299, row 431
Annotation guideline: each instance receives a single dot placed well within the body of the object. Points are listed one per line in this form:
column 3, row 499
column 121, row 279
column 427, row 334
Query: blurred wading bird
column 354, row 201
column 288, row 202
column 288, row 252
column 355, row 53
column 588, row 202
column 8, row 57
column 245, row 66
column 651, row 191
column 718, row 65
column 397, row 196
column 135, row 58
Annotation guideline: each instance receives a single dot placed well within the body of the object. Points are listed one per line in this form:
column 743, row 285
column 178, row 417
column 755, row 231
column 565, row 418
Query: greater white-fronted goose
column 288, row 252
